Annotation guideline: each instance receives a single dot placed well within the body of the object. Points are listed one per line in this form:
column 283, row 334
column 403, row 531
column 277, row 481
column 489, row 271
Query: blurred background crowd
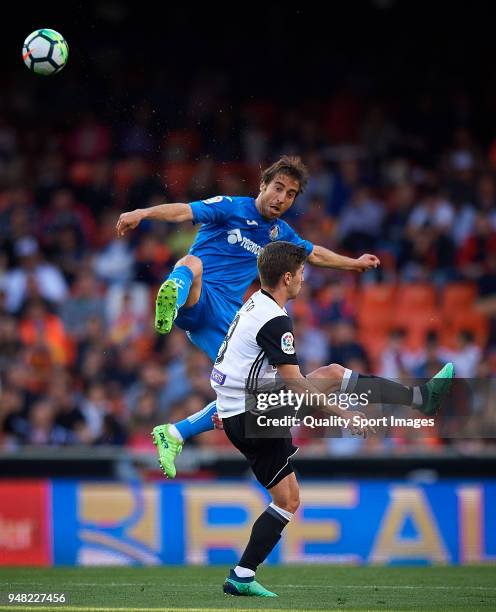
column 405, row 172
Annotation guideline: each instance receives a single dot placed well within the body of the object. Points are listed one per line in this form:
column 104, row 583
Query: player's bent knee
column 288, row 497
column 193, row 263
column 289, row 503
column 335, row 371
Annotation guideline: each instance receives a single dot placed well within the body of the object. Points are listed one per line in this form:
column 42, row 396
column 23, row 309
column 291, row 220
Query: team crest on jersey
column 274, row 232
column 287, row 343
column 213, row 200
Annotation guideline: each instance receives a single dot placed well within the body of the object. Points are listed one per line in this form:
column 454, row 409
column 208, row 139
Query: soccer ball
column 45, row 51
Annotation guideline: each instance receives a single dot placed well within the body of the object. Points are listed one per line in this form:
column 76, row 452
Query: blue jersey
column 232, row 234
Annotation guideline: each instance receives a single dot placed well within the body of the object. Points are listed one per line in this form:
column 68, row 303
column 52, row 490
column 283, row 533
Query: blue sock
column 183, row 277
column 197, row 423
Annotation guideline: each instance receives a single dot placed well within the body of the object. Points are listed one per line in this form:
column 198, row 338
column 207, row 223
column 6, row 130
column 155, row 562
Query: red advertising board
column 25, row 523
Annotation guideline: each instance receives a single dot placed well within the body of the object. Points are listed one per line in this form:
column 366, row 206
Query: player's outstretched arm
column 173, row 213
column 325, row 258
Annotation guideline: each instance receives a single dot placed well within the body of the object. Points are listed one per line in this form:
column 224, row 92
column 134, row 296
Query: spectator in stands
column 430, row 245
column 152, row 382
column 429, row 361
column 84, row 304
column 345, row 181
column 433, row 211
column 94, row 408
column 41, row 327
column 360, row 222
column 312, row 344
column 18, row 214
column 395, row 360
column 113, row 262
column 479, row 246
column 344, row 345
column 9, row 341
column 65, row 212
column 95, row 362
column 66, row 402
column 32, row 277
column 466, row 357
column 400, row 203
column 145, row 414
column 126, row 368
column 18, row 376
column 42, row 428
column 485, row 199
column 318, row 187
column 333, row 304
column 129, row 320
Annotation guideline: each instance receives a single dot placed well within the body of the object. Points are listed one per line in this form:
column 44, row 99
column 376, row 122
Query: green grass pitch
column 308, row 587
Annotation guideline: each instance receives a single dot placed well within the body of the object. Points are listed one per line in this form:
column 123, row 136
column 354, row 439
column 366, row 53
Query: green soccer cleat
column 244, row 587
column 165, row 307
column 437, row 388
column 168, row 448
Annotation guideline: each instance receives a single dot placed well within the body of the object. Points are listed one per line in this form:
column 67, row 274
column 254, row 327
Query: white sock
column 284, row 513
column 417, row 397
column 243, row 572
column 346, row 380
column 175, row 432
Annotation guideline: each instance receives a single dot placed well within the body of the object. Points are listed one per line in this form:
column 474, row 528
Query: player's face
column 277, row 196
column 294, row 285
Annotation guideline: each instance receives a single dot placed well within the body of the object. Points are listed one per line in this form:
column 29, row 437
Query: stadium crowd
column 80, row 362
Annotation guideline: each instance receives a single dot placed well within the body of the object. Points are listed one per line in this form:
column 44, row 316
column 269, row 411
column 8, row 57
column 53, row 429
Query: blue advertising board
column 358, row 522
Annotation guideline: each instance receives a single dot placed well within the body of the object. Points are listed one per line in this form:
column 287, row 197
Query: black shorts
column 269, row 458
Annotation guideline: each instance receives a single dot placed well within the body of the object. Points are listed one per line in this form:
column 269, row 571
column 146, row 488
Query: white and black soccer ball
column 45, row 51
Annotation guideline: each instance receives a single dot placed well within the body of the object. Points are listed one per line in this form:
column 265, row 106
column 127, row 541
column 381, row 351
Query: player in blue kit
column 206, row 288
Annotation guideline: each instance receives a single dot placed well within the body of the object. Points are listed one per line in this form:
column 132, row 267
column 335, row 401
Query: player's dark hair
column 276, row 259
column 290, row 166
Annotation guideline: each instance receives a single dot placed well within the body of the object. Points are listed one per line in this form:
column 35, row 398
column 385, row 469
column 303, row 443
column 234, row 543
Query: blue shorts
column 207, row 322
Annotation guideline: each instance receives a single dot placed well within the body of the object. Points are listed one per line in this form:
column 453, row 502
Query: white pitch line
column 382, row 586
column 65, row 608
column 134, row 609
column 281, row 586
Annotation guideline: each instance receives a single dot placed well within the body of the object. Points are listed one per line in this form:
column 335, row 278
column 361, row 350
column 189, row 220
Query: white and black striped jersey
column 260, row 338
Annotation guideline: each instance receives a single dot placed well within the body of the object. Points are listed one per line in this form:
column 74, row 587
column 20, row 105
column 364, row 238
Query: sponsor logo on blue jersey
column 236, row 237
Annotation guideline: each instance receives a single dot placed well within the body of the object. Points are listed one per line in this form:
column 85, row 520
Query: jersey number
column 223, row 348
